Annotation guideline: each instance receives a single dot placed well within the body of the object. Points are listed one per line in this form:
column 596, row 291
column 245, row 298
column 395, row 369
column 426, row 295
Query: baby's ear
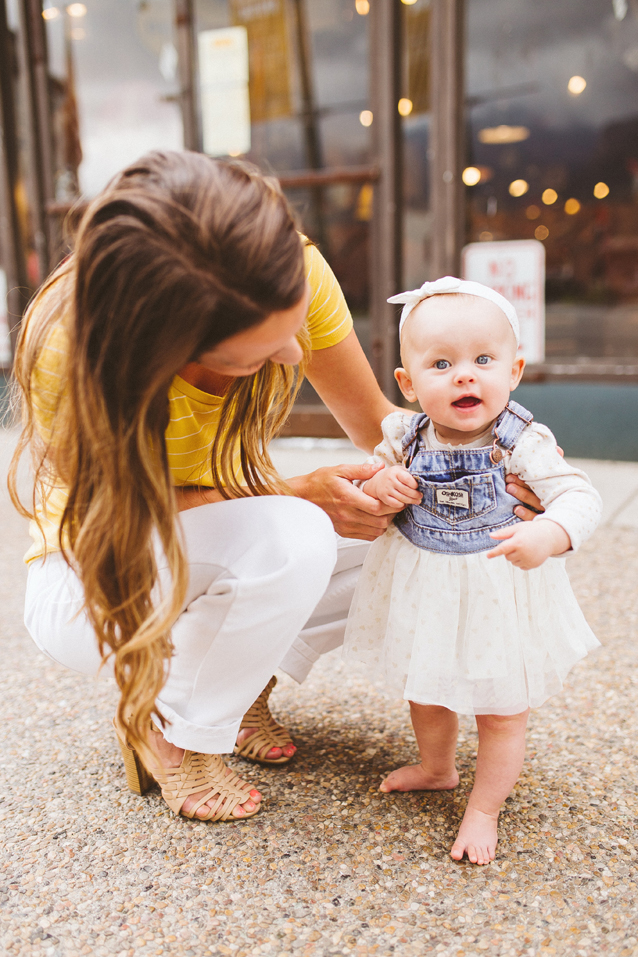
column 405, row 384
column 517, row 372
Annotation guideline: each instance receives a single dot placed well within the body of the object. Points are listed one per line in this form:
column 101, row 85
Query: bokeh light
column 471, row 175
column 365, row 117
column 572, row 206
column 601, row 190
column 549, row 196
column 362, row 7
column 405, row 106
column 532, row 212
column 576, row 85
column 503, row 134
column 518, row 187
column 541, row 232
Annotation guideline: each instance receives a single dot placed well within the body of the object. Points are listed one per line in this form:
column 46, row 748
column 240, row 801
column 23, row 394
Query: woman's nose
column 290, row 355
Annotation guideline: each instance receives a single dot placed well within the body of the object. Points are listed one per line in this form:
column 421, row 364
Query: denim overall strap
column 510, row 424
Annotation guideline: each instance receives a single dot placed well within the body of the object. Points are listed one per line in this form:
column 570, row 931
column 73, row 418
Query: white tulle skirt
column 472, row 634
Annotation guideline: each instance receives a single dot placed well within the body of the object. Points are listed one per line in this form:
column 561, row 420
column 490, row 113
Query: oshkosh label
column 452, row 496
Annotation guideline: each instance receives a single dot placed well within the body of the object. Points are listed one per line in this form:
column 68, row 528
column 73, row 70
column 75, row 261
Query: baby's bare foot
column 414, row 777
column 477, row 837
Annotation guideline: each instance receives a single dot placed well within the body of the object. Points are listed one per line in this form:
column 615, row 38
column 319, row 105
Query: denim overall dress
column 464, row 497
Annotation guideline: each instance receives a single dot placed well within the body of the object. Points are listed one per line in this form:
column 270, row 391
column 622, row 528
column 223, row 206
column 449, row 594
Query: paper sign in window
column 223, row 84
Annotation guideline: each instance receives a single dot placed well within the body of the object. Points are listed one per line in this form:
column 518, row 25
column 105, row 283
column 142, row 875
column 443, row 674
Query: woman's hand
column 354, row 514
column 517, row 487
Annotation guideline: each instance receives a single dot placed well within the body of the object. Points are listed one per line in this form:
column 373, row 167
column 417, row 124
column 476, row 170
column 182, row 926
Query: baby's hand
column 394, row 486
column 529, row 544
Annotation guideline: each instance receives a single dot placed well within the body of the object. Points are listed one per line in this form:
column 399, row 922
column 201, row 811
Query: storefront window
column 302, row 104
column 552, row 154
column 414, row 105
column 113, row 88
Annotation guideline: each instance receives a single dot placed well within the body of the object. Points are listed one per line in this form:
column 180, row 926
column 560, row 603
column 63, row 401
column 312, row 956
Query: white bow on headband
column 448, row 284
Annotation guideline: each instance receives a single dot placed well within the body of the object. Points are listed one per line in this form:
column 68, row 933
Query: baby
column 457, row 605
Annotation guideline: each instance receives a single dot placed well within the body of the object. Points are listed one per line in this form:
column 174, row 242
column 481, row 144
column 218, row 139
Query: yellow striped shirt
column 193, row 414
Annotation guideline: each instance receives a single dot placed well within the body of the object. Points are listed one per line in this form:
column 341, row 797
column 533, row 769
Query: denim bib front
column 464, row 497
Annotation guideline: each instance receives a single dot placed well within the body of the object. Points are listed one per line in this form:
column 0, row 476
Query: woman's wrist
column 300, row 485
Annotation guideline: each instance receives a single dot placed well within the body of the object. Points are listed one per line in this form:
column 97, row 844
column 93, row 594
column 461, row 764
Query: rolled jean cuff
column 192, row 737
column 300, row 658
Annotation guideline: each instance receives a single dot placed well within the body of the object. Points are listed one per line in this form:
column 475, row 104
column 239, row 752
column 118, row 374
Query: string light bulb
column 576, row 85
column 471, row 175
column 518, row 187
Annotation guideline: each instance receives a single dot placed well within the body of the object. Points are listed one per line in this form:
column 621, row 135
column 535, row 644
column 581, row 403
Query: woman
column 155, row 365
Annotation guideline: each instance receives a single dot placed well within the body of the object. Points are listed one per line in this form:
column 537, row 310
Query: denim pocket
column 461, row 500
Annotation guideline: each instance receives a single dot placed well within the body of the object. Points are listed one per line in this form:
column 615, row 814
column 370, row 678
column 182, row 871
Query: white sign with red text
column 516, row 269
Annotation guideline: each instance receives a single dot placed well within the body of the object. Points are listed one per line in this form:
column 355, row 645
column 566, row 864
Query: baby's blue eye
column 483, row 360
column 441, row 364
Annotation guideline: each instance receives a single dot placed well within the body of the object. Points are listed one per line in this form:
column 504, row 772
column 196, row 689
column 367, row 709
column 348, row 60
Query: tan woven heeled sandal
column 197, row 773
column 269, row 734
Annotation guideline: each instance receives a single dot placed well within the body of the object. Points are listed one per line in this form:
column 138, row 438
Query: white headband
column 449, row 284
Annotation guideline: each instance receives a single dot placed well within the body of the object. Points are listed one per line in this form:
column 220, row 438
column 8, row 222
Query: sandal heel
column 138, row 779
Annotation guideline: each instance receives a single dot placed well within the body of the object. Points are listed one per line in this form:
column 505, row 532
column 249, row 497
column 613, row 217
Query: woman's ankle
column 168, row 755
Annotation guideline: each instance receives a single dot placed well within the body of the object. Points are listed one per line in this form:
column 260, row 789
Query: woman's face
column 275, row 338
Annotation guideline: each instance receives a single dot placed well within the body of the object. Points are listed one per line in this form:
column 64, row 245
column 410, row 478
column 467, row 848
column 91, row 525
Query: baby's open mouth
column 467, row 402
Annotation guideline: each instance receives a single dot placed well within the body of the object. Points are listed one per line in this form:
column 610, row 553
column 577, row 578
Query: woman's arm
column 343, row 379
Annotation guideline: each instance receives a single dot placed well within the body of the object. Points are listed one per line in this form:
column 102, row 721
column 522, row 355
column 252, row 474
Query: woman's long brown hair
column 177, row 254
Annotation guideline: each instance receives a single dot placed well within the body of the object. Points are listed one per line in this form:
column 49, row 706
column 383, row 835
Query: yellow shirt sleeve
column 329, row 320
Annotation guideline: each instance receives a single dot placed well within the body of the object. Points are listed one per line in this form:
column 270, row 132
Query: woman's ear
column 405, row 384
column 517, row 372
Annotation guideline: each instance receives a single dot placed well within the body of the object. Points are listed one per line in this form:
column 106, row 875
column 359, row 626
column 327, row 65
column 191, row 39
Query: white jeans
column 269, row 586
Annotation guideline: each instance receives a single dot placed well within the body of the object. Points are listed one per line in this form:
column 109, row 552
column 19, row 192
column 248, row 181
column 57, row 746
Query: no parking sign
column 516, row 269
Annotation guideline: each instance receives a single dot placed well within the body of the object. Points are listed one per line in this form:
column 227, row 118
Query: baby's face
column 460, row 364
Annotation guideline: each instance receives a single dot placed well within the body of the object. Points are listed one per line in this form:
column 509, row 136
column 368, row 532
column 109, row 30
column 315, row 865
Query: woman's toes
column 274, row 754
column 289, row 750
column 255, row 795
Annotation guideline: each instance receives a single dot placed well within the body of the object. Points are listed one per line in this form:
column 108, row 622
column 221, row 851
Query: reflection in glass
column 571, row 81
column 113, row 87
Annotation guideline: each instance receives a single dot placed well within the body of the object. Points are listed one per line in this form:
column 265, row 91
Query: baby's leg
column 500, row 757
column 436, row 731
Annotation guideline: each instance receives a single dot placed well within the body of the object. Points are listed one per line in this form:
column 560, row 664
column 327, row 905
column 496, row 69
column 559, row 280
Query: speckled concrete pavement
column 330, row 866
